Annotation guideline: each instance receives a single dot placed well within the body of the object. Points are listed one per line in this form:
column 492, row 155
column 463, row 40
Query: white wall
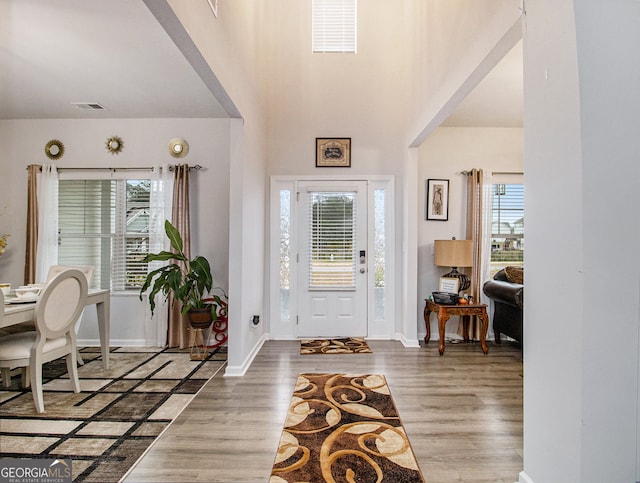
column 581, row 171
column 381, row 97
column 145, row 144
column 335, row 95
column 446, row 153
column 338, row 95
column 231, row 46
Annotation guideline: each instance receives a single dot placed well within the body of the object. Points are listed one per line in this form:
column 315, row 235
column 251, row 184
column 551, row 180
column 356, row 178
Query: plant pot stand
column 199, row 342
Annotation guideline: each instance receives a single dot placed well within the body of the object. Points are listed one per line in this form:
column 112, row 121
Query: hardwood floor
column 462, row 413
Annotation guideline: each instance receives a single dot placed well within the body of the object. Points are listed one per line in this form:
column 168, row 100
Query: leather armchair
column 508, row 306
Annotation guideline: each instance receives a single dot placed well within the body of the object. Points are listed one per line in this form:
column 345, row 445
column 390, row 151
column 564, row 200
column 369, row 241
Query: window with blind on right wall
column 334, row 26
column 507, row 223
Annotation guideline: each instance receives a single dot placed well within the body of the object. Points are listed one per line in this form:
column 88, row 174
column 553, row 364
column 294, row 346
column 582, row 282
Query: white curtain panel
column 485, row 261
column 47, row 251
column 160, row 205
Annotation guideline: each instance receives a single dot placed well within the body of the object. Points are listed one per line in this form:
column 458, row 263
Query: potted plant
column 188, row 281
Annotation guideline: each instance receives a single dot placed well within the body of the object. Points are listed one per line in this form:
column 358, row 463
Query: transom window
column 334, row 26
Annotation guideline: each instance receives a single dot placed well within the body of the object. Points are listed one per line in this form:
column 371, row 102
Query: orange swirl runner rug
column 343, row 428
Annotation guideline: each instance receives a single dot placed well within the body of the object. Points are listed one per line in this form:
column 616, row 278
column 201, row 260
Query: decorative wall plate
column 114, row 144
column 54, row 149
column 178, row 147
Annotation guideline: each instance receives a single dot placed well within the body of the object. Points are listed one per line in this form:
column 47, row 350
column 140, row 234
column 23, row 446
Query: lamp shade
column 453, row 253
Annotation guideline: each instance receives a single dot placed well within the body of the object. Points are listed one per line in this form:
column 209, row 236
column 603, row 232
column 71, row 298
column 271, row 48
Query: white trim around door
column 379, row 267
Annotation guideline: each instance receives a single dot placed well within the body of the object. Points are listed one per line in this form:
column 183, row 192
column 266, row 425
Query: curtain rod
column 468, row 173
column 197, row 167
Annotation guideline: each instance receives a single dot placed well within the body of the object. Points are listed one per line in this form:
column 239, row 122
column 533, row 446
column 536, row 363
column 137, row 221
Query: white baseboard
column 524, row 478
column 239, row 371
column 407, row 342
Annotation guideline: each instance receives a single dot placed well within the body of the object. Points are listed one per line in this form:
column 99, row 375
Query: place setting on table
column 24, row 294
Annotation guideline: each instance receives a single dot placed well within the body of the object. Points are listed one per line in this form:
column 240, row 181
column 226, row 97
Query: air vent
column 89, row 106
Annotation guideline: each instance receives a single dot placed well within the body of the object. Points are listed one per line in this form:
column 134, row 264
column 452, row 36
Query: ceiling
column 110, row 52
column 115, row 53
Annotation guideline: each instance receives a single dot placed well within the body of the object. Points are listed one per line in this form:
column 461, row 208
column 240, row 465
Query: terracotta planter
column 200, row 318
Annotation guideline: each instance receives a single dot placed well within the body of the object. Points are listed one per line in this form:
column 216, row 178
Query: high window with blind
column 105, row 223
column 334, row 26
column 507, row 225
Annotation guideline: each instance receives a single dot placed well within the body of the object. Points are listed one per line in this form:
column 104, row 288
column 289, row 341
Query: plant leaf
column 174, row 236
column 163, row 257
column 201, row 268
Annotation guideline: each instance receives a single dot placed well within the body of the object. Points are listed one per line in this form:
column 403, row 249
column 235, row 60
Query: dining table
column 16, row 313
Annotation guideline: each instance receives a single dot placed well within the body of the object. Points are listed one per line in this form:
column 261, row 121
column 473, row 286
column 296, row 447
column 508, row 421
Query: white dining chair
column 88, row 272
column 57, row 310
column 5, row 372
column 56, row 269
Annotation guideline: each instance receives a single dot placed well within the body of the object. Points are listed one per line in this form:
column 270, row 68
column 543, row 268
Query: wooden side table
column 446, row 311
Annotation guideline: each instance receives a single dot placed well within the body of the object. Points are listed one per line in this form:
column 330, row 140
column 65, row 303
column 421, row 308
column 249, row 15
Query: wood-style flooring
column 462, row 413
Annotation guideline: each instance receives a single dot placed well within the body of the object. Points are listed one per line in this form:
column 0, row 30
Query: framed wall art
column 437, row 199
column 333, row 152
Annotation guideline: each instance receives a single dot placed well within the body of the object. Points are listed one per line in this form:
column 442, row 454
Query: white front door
column 332, row 263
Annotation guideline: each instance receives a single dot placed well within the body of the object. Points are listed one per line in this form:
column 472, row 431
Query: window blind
column 331, row 253
column 507, row 223
column 134, row 233
column 105, row 223
column 334, row 26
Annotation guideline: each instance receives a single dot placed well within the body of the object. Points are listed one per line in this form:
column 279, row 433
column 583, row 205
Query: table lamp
column 455, row 253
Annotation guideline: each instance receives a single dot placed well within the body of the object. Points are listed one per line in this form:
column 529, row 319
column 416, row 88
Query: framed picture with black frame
column 437, row 205
column 333, row 152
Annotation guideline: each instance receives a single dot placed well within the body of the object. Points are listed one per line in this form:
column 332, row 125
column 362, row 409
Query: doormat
column 342, row 427
column 348, row 345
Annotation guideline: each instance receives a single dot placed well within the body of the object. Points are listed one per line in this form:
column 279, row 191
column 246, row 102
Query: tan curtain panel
column 178, row 335
column 32, row 224
column 474, row 233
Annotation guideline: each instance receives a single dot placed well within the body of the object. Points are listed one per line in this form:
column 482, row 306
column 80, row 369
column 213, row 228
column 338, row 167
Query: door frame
column 282, row 324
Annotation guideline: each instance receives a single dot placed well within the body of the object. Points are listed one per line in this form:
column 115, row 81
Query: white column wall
column 581, row 175
column 231, row 45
